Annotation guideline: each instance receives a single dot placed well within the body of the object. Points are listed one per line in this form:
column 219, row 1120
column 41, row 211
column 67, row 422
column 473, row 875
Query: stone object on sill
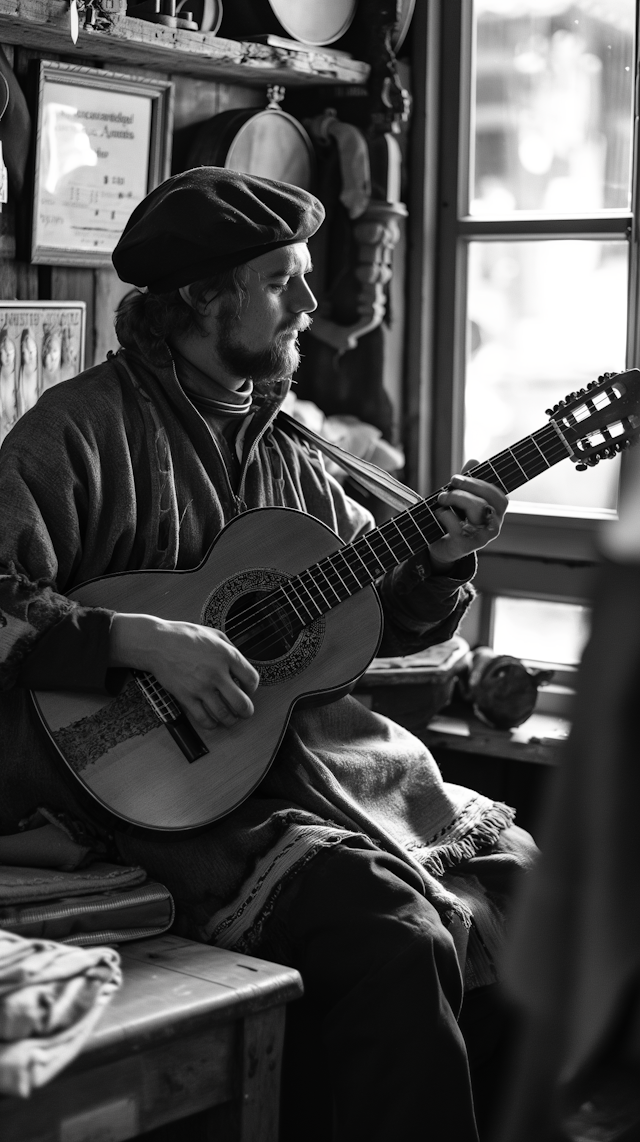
column 501, row 689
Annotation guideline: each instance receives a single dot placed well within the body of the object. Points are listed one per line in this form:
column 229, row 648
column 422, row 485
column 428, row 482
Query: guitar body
column 119, row 751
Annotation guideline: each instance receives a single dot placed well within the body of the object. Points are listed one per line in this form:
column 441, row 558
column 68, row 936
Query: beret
column 209, row 219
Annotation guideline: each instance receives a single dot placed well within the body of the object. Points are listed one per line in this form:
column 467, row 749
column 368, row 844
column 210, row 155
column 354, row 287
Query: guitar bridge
column 170, row 714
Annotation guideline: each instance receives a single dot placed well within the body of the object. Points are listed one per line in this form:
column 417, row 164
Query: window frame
column 548, row 554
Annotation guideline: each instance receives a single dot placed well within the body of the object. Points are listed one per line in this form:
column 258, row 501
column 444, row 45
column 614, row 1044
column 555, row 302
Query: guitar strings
column 265, row 607
column 276, row 602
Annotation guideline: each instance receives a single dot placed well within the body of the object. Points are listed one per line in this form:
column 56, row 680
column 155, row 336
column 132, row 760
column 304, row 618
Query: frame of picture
column 102, row 142
column 41, row 344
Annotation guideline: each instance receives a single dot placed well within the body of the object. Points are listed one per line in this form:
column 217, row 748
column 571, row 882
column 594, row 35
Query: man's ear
column 185, row 294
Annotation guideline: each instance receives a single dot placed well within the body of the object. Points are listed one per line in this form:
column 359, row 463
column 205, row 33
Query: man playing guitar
column 352, row 859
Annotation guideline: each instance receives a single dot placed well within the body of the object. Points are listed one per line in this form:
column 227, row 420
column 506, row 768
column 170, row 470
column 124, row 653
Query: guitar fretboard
column 323, row 586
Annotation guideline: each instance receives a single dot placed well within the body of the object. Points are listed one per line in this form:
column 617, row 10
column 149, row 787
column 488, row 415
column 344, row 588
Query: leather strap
column 367, row 475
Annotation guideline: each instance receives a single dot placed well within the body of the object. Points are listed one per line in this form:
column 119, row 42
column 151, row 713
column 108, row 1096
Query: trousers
column 384, row 1045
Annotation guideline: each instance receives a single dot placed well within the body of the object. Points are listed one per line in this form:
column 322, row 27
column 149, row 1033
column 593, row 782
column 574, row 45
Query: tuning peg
column 582, row 467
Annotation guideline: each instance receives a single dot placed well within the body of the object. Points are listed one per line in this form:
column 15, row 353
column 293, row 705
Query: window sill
column 539, row 740
column 552, row 534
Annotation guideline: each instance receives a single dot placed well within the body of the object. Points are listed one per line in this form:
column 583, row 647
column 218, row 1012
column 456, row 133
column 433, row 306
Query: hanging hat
column 210, row 219
column 15, row 126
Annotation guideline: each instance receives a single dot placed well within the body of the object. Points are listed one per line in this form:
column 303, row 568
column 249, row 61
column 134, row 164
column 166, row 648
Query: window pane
column 540, row 630
column 552, row 117
column 544, row 319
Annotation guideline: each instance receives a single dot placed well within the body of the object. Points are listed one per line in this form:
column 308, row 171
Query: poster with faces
column 41, row 344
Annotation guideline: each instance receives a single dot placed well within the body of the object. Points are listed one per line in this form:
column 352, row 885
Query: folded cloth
column 18, row 885
column 51, row 997
column 102, row 904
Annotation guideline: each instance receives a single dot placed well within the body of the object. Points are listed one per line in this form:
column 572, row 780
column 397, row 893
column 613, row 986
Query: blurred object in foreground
column 51, row 998
column 573, row 966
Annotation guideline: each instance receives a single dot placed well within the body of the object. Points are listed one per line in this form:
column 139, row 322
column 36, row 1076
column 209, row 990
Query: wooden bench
column 195, row 1032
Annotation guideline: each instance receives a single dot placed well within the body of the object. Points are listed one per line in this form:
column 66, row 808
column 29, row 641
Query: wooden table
column 194, row 1030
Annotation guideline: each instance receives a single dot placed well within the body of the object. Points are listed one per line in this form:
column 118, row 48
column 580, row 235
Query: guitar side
column 117, row 749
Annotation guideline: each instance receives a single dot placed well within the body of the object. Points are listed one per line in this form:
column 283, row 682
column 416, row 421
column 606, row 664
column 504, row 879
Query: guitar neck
column 359, row 564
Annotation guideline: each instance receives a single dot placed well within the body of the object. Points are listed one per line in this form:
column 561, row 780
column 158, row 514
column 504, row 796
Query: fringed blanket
column 358, row 773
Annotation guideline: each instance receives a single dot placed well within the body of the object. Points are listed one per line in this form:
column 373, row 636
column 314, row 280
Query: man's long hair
column 147, row 321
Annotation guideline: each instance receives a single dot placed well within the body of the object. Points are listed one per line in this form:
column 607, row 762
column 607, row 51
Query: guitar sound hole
column 245, row 606
column 262, row 633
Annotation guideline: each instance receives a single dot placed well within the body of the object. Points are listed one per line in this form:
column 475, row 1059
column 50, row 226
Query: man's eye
column 279, row 287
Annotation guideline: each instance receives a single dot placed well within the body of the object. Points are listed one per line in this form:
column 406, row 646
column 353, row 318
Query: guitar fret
column 398, row 528
column 309, row 571
column 352, row 550
column 431, row 523
column 410, row 519
column 540, row 451
column 388, row 545
column 291, row 585
column 320, row 570
column 497, row 476
column 380, row 566
column 532, row 458
column 383, row 549
column 338, row 555
column 519, row 464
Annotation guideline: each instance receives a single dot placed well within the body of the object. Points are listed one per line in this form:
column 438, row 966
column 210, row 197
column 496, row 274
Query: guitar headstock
column 601, row 420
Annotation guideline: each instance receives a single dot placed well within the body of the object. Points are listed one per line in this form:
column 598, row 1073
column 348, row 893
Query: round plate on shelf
column 313, row 22
column 269, row 144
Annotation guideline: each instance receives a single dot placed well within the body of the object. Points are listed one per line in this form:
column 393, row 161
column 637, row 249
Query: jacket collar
column 162, row 373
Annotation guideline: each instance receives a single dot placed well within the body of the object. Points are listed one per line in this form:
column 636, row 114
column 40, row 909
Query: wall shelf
column 44, row 26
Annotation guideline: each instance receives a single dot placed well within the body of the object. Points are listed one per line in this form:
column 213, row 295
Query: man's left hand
column 471, row 511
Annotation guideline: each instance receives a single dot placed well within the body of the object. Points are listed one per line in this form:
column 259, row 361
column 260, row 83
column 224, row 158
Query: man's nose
column 302, row 298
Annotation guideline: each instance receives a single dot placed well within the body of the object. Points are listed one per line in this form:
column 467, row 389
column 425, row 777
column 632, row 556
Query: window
column 524, row 282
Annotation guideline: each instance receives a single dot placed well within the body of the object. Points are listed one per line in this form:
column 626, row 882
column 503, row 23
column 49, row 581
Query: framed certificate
column 103, row 141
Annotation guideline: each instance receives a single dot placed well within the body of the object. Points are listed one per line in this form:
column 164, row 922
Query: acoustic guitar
column 301, row 606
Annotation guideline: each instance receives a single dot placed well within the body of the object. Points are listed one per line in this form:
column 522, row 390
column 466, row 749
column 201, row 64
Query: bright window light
column 540, row 630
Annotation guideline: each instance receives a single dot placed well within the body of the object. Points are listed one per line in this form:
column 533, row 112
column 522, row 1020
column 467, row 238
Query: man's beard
column 275, row 363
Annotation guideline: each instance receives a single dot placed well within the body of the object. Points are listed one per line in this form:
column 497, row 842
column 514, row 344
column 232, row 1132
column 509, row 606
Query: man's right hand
column 198, row 665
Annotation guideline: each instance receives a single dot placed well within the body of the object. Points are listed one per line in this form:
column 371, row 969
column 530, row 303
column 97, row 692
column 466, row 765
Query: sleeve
column 46, row 640
column 422, row 608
